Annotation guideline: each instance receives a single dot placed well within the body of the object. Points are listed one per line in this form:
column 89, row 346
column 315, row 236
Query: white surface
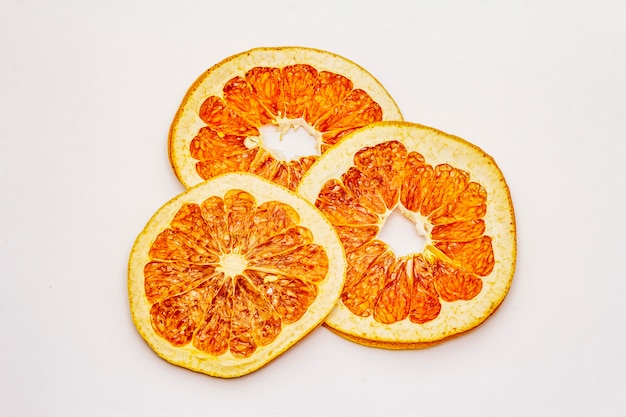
column 87, row 93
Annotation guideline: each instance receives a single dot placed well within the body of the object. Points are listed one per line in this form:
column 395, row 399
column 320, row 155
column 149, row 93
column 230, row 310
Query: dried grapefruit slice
column 229, row 274
column 458, row 200
column 217, row 128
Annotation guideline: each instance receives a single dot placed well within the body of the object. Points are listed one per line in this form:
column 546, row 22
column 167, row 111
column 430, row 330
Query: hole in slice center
column 288, row 143
column 402, row 235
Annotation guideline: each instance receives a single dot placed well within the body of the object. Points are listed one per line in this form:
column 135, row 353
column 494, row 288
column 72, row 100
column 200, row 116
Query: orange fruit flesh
column 223, row 282
column 228, row 117
column 390, row 288
column 441, row 199
column 324, row 101
column 197, row 299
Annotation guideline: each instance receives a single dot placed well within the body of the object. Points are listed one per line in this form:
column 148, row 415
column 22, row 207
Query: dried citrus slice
column 218, row 127
column 458, row 200
column 229, row 274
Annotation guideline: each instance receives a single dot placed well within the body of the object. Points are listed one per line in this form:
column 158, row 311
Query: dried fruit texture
column 217, row 127
column 232, row 272
column 455, row 194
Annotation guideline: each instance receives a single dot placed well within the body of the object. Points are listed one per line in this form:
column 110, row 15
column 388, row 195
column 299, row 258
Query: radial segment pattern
column 441, row 199
column 229, row 275
column 224, row 120
column 323, row 103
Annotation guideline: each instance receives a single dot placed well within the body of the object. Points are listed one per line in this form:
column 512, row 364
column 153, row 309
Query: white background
column 87, row 94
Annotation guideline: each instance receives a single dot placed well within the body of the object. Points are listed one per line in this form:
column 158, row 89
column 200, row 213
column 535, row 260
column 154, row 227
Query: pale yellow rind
column 437, row 148
column 187, row 122
column 227, row 365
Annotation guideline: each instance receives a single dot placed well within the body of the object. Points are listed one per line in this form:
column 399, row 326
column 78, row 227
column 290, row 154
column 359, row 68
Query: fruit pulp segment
column 263, row 96
column 228, row 274
column 457, row 253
